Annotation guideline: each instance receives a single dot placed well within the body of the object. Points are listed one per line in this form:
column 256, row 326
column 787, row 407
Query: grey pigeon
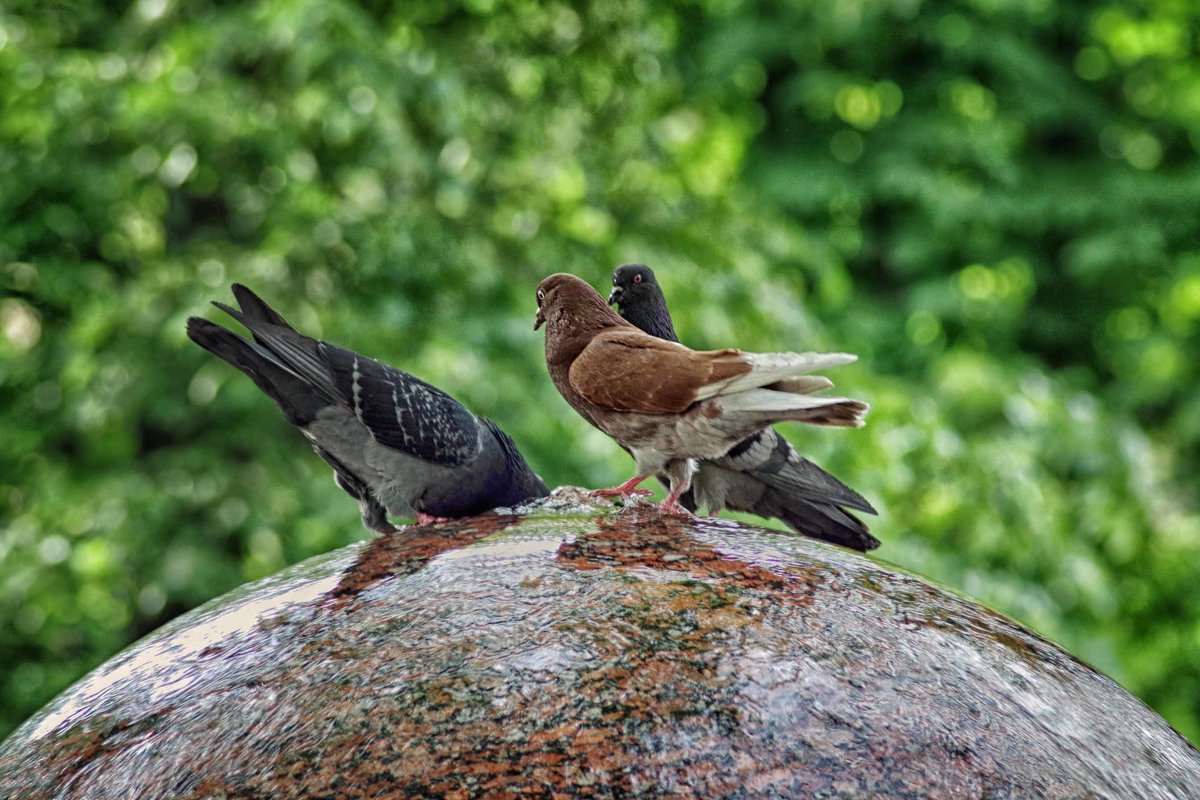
column 763, row 474
column 665, row 403
column 397, row 445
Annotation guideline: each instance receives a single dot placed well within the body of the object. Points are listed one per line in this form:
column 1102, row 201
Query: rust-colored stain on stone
column 592, row 653
column 661, row 542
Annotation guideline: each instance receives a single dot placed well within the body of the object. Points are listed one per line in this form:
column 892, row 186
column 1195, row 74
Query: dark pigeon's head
column 631, row 282
column 640, row 301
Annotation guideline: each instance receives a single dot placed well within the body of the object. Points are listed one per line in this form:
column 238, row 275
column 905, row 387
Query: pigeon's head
column 567, row 303
column 631, row 282
column 640, row 301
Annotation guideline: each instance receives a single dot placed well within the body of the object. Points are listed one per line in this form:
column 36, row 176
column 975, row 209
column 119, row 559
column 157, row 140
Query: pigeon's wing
column 402, row 411
column 399, row 410
column 624, row 369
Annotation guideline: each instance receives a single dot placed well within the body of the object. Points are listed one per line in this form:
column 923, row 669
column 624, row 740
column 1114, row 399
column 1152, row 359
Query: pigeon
column 397, row 445
column 763, row 474
column 668, row 404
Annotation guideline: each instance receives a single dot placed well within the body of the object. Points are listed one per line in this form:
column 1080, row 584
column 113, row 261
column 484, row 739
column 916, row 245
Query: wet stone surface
column 576, row 651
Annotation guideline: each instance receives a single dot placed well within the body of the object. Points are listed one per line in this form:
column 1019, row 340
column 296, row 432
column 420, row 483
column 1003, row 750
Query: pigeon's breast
column 696, row 433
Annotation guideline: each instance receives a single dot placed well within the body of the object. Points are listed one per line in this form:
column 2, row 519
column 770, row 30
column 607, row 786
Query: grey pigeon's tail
column 812, row 501
column 797, row 491
column 822, row 521
column 294, row 397
column 787, row 470
column 255, row 308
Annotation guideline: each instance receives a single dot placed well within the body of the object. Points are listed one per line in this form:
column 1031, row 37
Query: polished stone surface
column 578, row 651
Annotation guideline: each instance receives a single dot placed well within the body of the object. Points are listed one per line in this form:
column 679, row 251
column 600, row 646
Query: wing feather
column 400, row 411
column 623, row 369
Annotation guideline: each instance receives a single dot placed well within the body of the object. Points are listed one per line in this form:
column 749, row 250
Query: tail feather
column 298, row 401
column 826, row 522
column 300, row 354
column 810, row 482
column 255, row 308
column 771, row 406
column 803, row 384
column 802, row 478
column 769, row 368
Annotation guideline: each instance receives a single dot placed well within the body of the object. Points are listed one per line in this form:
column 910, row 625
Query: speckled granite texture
column 574, row 651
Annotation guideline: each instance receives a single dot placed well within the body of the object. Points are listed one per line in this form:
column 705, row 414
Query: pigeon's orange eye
column 637, row 278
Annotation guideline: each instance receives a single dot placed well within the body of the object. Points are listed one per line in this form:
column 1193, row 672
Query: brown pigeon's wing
column 623, row 369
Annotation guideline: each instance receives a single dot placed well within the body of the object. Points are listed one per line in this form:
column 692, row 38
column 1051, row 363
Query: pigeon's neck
column 652, row 316
column 571, row 328
column 565, row 342
column 521, row 483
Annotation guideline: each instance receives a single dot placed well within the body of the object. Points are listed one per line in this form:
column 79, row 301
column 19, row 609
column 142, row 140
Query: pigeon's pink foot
column 713, row 512
column 615, row 491
column 671, row 504
column 673, row 507
column 626, row 489
column 429, row 519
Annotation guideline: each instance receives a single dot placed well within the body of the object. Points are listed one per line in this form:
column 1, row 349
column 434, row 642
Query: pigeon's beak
column 615, row 295
column 540, row 321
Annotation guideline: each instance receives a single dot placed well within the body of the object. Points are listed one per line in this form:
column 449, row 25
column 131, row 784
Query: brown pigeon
column 668, row 404
column 763, row 474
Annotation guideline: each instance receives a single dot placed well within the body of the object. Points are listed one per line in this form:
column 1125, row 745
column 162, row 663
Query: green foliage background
column 993, row 202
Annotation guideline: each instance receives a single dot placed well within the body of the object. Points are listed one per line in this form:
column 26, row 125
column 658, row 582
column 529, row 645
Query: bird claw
column 617, row 491
column 429, row 519
column 672, row 507
column 626, row 489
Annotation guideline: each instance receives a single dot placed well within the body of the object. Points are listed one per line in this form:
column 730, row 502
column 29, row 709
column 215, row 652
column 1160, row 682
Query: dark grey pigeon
column 763, row 474
column 396, row 444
